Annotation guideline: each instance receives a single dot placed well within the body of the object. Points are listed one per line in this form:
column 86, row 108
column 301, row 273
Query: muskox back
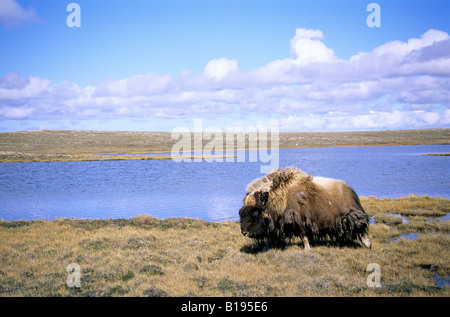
column 311, row 208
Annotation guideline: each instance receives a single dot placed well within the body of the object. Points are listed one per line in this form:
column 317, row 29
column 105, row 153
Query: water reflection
column 407, row 236
column 403, row 218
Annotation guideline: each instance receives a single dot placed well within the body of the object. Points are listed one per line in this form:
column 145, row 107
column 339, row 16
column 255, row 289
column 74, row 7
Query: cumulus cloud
column 140, row 85
column 372, row 120
column 13, row 80
column 396, row 85
column 414, row 57
column 12, row 14
column 219, row 68
column 14, row 87
column 16, row 113
column 307, row 47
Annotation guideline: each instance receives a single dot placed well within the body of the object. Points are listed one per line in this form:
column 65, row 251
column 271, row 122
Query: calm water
column 209, row 191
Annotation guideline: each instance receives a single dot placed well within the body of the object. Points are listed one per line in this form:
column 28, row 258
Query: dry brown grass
column 145, row 256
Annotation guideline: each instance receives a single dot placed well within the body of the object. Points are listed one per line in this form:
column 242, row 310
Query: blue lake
column 203, row 190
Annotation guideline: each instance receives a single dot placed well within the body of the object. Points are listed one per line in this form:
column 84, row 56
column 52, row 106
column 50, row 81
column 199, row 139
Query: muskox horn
column 258, row 199
column 249, row 200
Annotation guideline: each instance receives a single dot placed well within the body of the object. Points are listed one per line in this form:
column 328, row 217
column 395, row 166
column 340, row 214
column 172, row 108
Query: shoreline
column 112, row 157
column 130, row 156
column 364, row 200
column 436, row 154
column 69, row 145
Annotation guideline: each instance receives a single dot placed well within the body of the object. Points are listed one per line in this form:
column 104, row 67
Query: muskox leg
column 306, row 243
column 366, row 241
column 266, row 246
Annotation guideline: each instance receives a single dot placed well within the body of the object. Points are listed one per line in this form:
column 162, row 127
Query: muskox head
column 255, row 222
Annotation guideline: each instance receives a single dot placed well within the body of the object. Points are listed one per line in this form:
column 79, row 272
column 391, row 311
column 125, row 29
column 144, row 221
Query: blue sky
column 158, row 65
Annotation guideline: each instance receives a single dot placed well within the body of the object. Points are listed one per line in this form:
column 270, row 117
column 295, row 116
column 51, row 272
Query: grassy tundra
column 86, row 145
column 146, row 256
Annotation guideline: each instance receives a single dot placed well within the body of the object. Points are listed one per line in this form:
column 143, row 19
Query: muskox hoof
column 306, row 243
column 367, row 243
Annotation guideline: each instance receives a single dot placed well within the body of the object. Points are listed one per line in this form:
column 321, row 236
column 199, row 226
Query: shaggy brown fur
column 300, row 205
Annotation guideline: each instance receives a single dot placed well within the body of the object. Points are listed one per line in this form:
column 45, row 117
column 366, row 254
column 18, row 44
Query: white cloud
column 13, row 87
column 414, row 57
column 396, row 85
column 372, row 120
column 311, row 58
column 219, row 68
column 16, row 113
column 148, row 84
column 306, row 47
column 398, row 48
column 12, row 14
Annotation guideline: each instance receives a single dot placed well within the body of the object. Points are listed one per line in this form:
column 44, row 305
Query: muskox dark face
column 255, row 222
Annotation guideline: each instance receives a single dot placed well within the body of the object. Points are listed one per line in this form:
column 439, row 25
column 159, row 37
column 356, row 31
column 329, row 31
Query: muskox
column 289, row 203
